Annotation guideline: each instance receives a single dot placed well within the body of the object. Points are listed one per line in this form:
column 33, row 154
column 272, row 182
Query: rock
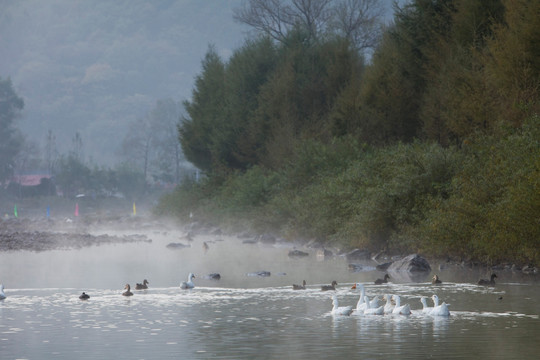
column 383, row 267
column 297, row 253
column 355, row 267
column 267, row 239
column 177, row 246
column 411, row 263
column 250, row 241
column 358, row 254
column 262, row 273
column 212, row 276
column 324, row 253
column 529, row 269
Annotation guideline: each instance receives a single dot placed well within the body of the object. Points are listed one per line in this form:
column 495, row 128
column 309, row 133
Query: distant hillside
column 94, row 66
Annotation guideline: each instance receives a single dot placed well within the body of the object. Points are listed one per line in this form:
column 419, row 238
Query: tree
column 11, row 139
column 137, row 144
column 151, row 145
column 357, row 20
column 513, row 64
column 167, row 155
column 204, row 111
column 51, row 152
column 73, row 176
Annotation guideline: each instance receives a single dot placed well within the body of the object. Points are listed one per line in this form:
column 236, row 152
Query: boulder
column 177, row 246
column 358, row 254
column 411, row 263
column 297, row 253
column 262, row 273
column 324, row 253
column 384, row 266
column 267, row 239
column 355, row 267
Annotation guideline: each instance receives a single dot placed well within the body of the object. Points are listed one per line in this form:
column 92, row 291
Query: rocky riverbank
column 46, row 234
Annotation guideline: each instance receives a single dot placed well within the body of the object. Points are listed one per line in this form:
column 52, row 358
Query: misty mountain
column 94, row 67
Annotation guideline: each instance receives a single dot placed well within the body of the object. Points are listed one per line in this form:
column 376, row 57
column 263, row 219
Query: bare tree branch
column 357, row 20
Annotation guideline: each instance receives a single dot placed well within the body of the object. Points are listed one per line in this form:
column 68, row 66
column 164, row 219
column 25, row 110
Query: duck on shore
column 491, row 281
column 329, row 287
column 382, row 281
column 142, row 286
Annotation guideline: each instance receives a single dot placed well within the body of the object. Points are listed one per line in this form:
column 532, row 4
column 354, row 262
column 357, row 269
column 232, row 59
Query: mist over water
column 245, row 317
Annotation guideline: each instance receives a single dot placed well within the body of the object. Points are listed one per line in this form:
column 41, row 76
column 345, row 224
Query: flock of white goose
column 393, row 306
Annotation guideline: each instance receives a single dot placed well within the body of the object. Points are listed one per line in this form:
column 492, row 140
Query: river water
column 248, row 317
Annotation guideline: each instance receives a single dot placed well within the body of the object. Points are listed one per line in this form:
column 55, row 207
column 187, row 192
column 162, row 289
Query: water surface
column 246, row 317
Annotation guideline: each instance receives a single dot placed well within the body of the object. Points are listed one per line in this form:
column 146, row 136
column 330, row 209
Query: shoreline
column 45, row 234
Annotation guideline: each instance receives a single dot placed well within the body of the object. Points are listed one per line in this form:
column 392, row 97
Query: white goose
column 343, row 310
column 361, row 305
column 374, row 303
column 2, row 295
column 188, row 284
column 374, row 310
column 388, row 307
column 425, row 308
column 439, row 310
column 400, row 309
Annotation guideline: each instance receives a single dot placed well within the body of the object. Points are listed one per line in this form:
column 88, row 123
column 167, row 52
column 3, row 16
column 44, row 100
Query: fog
column 111, row 266
column 95, row 66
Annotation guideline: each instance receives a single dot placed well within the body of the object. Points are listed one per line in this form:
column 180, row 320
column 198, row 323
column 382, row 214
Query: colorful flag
column 76, row 209
column 15, row 211
column 48, row 211
column 134, row 209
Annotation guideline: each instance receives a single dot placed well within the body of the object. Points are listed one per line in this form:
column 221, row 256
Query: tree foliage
column 433, row 146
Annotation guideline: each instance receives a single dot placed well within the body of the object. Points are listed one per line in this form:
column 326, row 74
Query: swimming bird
column 127, row 292
column 379, row 310
column 188, row 284
column 374, row 303
column 425, row 308
column 142, row 286
column 361, row 305
column 382, row 281
column 300, row 287
column 213, row 276
column 388, row 307
column 337, row 310
column 329, row 287
column 487, row 282
column 436, row 280
column 439, row 310
column 2, row 295
column 84, row 296
column 400, row 309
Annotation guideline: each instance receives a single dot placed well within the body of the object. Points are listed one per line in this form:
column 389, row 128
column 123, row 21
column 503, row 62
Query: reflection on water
column 242, row 317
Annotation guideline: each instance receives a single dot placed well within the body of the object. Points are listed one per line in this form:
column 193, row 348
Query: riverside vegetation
column 431, row 146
